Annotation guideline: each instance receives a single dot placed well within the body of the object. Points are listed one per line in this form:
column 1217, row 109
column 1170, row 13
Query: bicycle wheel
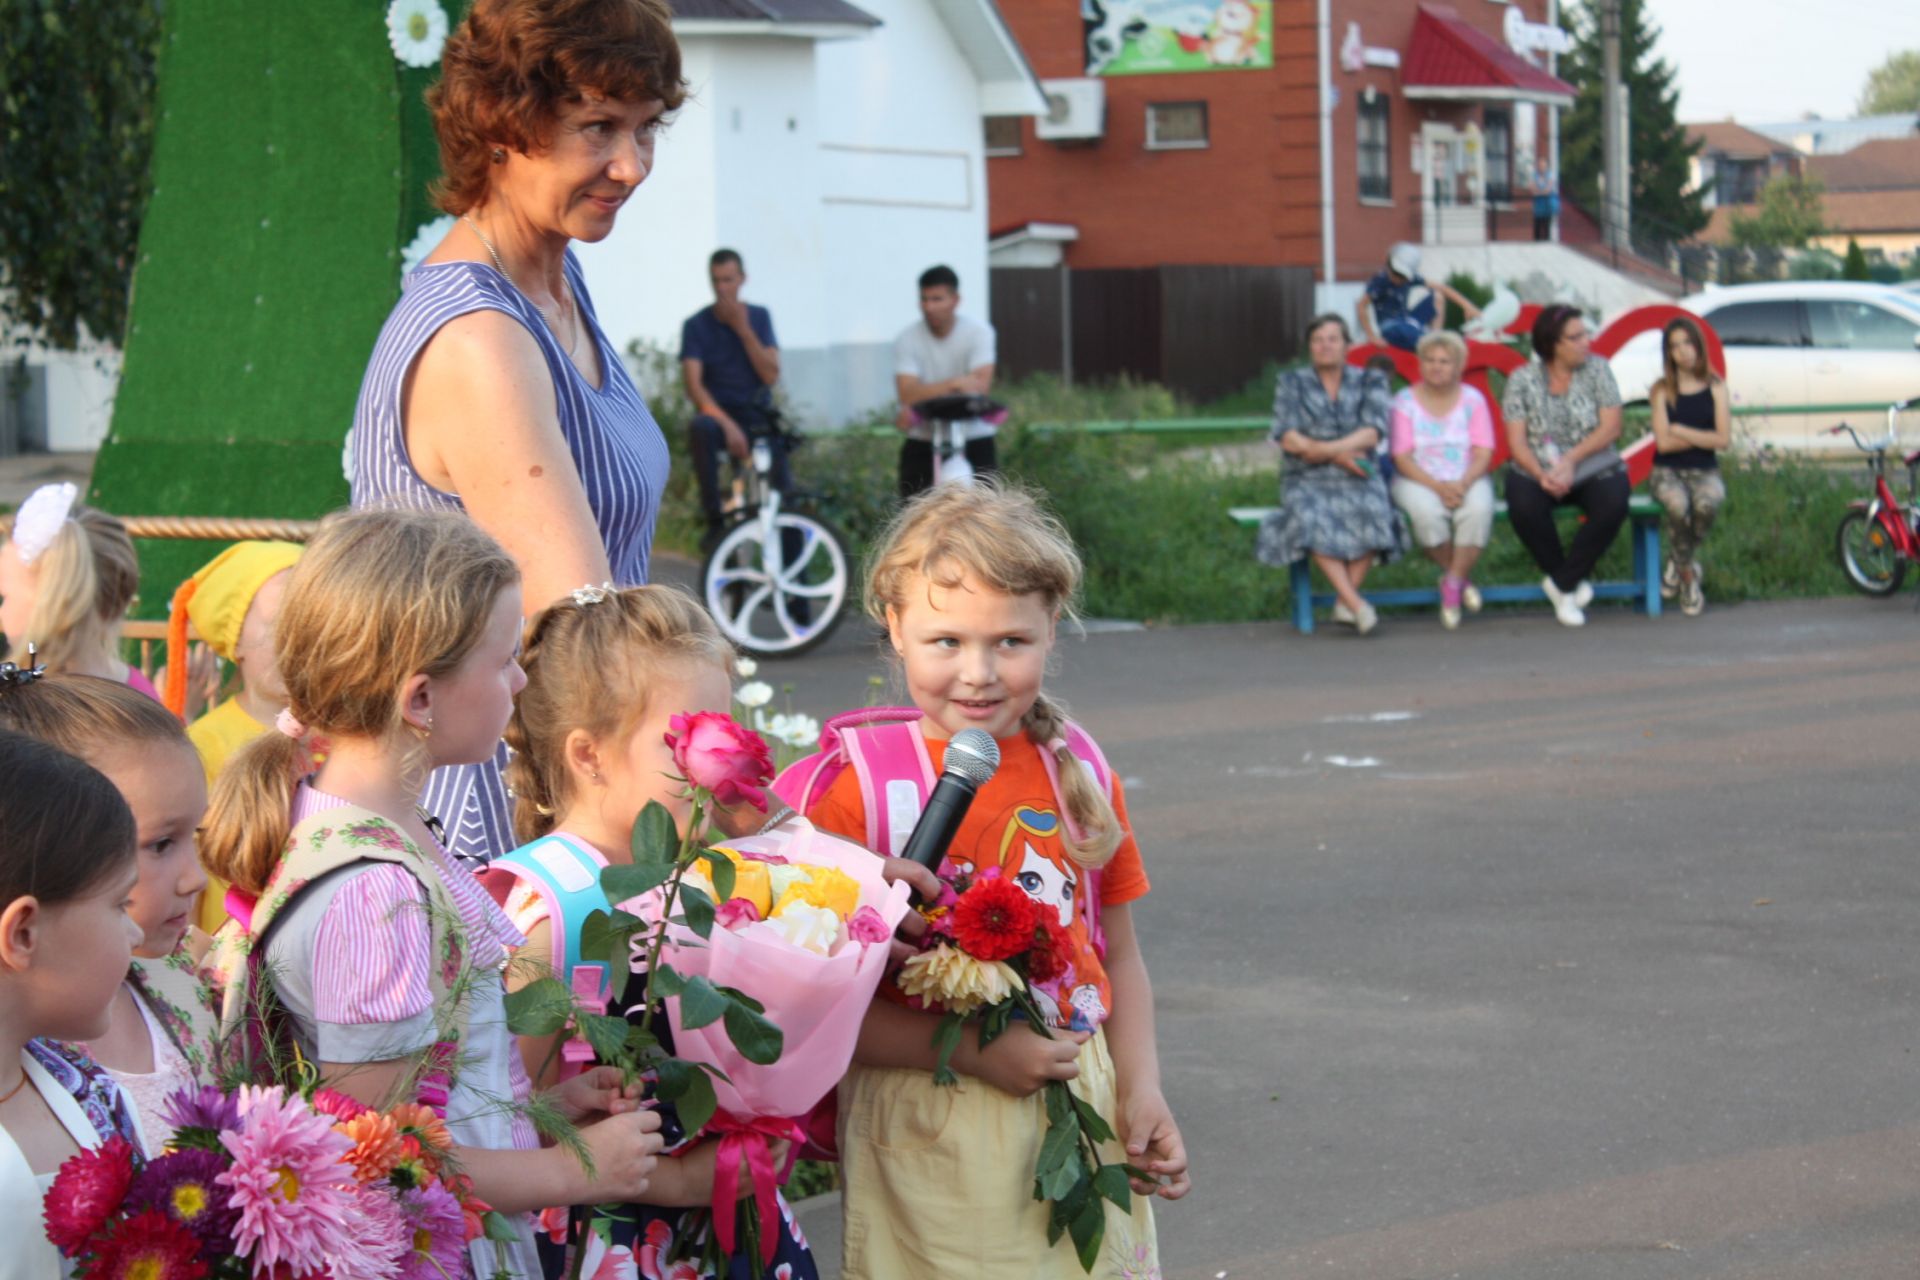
column 1872, row 563
column 780, row 600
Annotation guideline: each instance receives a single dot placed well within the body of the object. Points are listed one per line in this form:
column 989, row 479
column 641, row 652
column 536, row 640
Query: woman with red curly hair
column 492, row 389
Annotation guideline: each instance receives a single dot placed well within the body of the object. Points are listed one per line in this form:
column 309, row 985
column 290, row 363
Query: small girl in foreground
column 67, row 576
column 396, row 644
column 162, row 1023
column 66, row 881
column 606, row 672
column 970, row 583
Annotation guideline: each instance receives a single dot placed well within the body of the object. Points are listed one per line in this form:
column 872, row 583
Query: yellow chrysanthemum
column 825, row 887
column 955, row 980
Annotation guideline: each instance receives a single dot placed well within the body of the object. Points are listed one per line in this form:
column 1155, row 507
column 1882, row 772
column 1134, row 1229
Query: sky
column 1768, row 60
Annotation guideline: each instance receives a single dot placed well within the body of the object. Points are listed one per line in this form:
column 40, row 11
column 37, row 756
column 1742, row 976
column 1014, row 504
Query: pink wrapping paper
column 817, row 1001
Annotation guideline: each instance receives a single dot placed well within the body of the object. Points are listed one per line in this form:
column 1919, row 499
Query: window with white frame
column 1375, row 146
column 1176, row 126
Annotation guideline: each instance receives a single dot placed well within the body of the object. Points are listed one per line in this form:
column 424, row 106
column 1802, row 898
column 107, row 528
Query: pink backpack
column 887, row 752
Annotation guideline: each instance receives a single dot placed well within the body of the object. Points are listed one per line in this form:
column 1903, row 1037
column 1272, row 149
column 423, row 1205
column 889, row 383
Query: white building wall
column 651, row 273
column 904, row 165
column 840, row 170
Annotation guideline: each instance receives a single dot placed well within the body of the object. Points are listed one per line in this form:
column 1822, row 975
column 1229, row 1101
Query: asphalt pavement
column 1520, row 952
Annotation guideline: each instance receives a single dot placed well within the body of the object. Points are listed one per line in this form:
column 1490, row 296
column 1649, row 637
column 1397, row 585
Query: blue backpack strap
column 567, row 878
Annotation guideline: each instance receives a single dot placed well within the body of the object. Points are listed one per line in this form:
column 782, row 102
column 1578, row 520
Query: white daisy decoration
column 425, row 241
column 416, row 29
column 756, row 694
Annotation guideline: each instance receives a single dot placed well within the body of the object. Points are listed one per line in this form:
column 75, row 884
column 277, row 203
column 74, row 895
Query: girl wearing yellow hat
column 232, row 603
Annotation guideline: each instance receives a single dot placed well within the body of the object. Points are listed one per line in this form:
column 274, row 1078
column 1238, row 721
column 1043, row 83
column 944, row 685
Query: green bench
column 1643, row 528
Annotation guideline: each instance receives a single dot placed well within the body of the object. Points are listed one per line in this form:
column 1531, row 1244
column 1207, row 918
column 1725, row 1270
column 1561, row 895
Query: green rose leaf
column 499, row 1227
column 667, row 981
column 655, row 841
column 1090, row 1119
column 540, row 1008
column 607, row 937
column 701, row 1003
column 698, row 908
column 757, row 1039
column 720, row 870
column 690, row 1090
column 621, row 883
column 1087, row 1229
column 607, row 1035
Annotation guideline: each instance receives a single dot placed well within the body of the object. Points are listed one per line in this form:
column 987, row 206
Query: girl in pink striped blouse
column 397, row 643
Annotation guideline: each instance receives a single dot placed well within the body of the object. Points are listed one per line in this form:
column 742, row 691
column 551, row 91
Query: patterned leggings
column 1691, row 500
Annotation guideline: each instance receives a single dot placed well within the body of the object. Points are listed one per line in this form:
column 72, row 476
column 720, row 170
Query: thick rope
column 209, row 528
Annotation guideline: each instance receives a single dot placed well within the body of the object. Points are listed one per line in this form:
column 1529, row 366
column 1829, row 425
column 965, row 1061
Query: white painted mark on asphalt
column 1373, row 717
column 1352, row 762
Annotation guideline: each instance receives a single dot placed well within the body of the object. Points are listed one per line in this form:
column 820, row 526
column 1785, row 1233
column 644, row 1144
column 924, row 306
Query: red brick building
column 1438, row 112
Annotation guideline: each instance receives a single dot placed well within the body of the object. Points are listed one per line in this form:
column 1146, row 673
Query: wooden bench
column 1643, row 528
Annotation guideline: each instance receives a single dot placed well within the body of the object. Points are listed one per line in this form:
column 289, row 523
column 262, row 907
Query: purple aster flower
column 181, row 1185
column 203, row 1108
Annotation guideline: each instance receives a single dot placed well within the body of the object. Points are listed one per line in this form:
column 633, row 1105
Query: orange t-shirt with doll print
column 1014, row 823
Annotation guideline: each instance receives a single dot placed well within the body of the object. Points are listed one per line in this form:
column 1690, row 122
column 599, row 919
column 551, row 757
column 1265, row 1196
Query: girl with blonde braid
column 970, row 583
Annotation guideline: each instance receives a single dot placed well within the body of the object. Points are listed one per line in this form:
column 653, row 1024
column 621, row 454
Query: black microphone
column 972, row 758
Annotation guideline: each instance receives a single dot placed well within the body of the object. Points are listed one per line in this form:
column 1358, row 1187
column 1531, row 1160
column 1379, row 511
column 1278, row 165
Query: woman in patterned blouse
column 1563, row 416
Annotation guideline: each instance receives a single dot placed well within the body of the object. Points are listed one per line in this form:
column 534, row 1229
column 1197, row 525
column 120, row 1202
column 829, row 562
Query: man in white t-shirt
column 941, row 354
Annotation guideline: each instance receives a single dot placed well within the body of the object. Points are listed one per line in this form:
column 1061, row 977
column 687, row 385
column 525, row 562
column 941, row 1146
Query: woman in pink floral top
column 1441, row 433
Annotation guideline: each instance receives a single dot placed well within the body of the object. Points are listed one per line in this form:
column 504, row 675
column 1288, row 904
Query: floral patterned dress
column 87, row 1103
column 1325, row 508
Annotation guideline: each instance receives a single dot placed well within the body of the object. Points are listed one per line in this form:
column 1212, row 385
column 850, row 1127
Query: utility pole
column 1616, row 193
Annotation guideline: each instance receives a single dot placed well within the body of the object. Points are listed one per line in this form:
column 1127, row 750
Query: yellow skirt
column 938, row 1181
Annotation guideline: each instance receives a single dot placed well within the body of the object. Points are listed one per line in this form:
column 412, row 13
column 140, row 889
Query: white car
column 1796, row 349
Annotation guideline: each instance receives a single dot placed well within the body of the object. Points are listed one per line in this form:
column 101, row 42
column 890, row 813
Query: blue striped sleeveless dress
column 616, row 446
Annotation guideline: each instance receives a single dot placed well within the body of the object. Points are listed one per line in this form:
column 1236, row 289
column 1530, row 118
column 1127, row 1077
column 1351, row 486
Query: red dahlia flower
column 994, row 920
column 1051, row 957
column 88, row 1190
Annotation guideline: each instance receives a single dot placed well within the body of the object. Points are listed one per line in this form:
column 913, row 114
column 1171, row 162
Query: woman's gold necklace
column 14, row 1092
column 572, row 334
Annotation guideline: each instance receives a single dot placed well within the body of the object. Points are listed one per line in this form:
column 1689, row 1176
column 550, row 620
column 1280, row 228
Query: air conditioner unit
column 1076, row 111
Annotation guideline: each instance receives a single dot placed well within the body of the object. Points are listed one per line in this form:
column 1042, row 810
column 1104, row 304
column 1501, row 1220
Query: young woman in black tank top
column 1691, row 424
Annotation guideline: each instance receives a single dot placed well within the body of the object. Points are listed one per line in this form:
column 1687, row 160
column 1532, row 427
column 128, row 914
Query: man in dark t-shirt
column 730, row 362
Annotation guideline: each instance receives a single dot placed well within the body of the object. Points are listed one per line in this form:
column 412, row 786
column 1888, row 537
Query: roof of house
column 1882, row 165
column 1450, row 57
column 1831, row 137
column 1735, row 141
column 1844, row 213
column 782, row 12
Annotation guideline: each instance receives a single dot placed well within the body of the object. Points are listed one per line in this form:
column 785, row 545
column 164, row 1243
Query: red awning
column 1450, row 58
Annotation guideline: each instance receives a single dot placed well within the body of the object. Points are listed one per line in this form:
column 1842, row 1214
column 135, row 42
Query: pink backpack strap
column 896, row 776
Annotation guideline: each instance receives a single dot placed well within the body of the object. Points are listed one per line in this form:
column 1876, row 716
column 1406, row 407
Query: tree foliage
column 1855, row 266
column 76, row 132
column 1789, row 214
column 1659, row 152
column 1893, row 86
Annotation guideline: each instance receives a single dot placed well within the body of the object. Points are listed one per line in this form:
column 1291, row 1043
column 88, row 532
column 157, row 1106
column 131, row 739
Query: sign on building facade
column 1155, row 37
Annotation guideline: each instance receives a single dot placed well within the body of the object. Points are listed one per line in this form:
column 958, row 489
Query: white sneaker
column 1449, row 618
column 1693, row 601
column 1564, row 606
column 1343, row 615
column 1583, row 594
column 1367, row 619
column 1470, row 597
column 1669, row 580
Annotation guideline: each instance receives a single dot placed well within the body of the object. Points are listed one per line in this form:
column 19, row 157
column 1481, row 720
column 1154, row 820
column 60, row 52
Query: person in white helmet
column 1399, row 306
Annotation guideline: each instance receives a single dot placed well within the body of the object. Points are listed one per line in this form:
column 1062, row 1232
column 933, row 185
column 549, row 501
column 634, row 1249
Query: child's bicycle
column 777, row 581
column 1878, row 536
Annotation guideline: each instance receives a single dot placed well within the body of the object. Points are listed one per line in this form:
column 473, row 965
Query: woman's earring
column 499, row 155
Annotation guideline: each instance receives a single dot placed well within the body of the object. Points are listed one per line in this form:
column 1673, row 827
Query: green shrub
column 1470, row 288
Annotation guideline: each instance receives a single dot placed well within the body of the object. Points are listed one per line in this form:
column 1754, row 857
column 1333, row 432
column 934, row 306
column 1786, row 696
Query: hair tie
column 591, row 594
column 288, row 724
column 12, row 675
column 1057, row 745
column 38, row 521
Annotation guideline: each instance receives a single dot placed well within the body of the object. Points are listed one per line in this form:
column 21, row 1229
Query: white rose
column 756, row 694
column 808, row 927
column 782, row 878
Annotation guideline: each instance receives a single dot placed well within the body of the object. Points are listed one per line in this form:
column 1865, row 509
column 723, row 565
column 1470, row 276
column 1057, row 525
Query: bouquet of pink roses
column 764, row 952
column 265, row 1182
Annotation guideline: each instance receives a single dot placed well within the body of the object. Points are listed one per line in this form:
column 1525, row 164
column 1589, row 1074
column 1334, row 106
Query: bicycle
column 777, row 581
column 944, row 416
column 1879, row 537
